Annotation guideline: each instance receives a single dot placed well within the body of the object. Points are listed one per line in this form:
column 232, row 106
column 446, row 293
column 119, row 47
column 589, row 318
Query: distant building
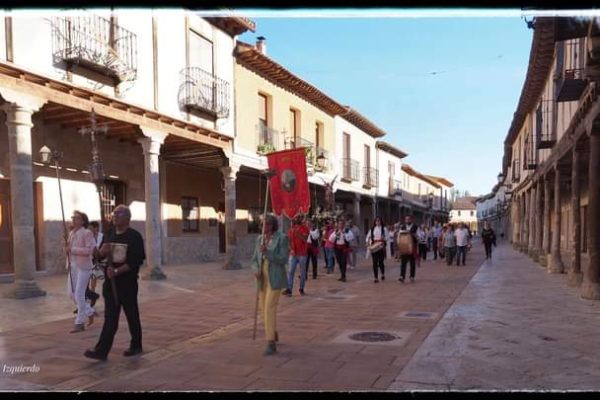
column 464, row 210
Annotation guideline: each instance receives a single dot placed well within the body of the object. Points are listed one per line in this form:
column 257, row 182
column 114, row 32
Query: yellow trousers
column 268, row 299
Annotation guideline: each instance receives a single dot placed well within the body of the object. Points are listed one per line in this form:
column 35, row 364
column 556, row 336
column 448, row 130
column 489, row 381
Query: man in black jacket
column 412, row 228
column 126, row 247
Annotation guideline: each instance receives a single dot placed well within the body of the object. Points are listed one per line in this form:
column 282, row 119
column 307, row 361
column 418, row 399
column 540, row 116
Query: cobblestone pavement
column 197, row 328
column 513, row 327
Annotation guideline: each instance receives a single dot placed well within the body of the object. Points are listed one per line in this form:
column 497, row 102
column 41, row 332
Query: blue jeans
column 294, row 262
column 329, row 259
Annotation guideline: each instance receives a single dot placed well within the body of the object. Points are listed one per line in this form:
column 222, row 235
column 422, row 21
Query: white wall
column 358, row 139
column 32, row 49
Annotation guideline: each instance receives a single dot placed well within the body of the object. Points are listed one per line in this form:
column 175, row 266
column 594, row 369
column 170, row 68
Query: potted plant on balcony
column 265, row 148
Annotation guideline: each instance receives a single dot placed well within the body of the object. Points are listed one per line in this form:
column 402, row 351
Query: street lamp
column 48, row 156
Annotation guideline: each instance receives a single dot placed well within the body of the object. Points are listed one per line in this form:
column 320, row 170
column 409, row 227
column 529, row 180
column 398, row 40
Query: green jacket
column 277, row 254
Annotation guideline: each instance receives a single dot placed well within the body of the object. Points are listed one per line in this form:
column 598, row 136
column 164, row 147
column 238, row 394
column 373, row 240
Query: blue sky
column 444, row 89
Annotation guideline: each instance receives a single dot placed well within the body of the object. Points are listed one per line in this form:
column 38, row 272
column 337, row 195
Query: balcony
column 530, row 156
column 95, row 43
column 516, row 173
column 370, row 176
column 570, row 66
column 350, row 170
column 202, row 91
column 292, row 142
column 269, row 140
column 395, row 187
column 544, row 125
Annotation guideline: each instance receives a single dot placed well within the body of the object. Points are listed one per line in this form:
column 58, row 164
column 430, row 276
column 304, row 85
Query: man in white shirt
column 462, row 241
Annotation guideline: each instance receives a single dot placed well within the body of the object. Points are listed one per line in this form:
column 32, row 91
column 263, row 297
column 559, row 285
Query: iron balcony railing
column 203, row 91
column 395, row 187
column 545, row 124
column 269, row 139
column 530, row 154
column 96, row 43
column 570, row 66
column 350, row 170
column 292, row 142
column 516, row 172
column 370, row 176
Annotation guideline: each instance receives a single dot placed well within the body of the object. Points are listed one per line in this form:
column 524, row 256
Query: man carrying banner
column 287, row 183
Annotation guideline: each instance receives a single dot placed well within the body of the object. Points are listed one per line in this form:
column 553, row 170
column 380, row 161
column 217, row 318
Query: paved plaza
column 499, row 324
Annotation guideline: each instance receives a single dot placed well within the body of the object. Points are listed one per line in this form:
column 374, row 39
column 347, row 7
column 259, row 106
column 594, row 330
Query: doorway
column 222, row 227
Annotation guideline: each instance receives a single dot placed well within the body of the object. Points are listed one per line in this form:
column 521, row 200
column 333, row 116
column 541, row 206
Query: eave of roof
column 390, row 149
column 363, row 123
column 252, row 59
column 233, row 25
column 441, row 180
column 541, row 57
column 411, row 171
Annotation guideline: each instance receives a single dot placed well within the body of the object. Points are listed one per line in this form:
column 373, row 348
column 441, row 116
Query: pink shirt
column 82, row 248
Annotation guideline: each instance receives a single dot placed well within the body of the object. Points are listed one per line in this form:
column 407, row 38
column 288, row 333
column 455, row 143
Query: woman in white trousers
column 80, row 248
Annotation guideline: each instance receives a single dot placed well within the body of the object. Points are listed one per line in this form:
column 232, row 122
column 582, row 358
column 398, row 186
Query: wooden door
column 6, row 238
column 222, row 228
column 6, row 250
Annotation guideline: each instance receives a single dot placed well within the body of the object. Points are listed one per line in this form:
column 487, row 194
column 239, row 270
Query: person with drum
column 376, row 243
column 408, row 230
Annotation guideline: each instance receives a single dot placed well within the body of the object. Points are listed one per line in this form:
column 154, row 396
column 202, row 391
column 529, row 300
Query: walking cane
column 268, row 174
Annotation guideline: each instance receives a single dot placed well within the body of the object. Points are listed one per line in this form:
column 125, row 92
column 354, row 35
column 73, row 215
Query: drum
column 405, row 243
column 377, row 246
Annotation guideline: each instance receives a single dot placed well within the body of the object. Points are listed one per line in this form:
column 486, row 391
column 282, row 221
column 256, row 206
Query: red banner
column 290, row 193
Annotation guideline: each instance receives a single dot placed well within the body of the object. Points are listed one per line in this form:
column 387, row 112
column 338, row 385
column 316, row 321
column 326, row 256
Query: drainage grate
column 418, row 315
column 373, row 337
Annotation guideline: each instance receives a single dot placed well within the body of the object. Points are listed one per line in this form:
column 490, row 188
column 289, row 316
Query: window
column 263, row 116
column 254, row 220
column 346, row 148
column 367, row 157
column 319, row 135
column 189, row 214
column 200, row 52
column 419, row 189
column 391, row 169
column 294, row 124
column 471, row 213
column 459, row 213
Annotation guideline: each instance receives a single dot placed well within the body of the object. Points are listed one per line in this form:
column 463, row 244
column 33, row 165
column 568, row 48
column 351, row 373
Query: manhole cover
column 373, row 337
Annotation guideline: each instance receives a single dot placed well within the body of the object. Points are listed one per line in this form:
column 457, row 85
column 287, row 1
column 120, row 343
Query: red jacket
column 298, row 235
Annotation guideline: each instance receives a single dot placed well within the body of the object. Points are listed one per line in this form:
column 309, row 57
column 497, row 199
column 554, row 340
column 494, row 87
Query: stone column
column 231, row 252
column 544, row 255
column 590, row 287
column 539, row 221
column 555, row 265
column 514, row 219
column 531, row 222
column 525, row 222
column 151, row 145
column 19, row 110
column 575, row 275
column 356, row 204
